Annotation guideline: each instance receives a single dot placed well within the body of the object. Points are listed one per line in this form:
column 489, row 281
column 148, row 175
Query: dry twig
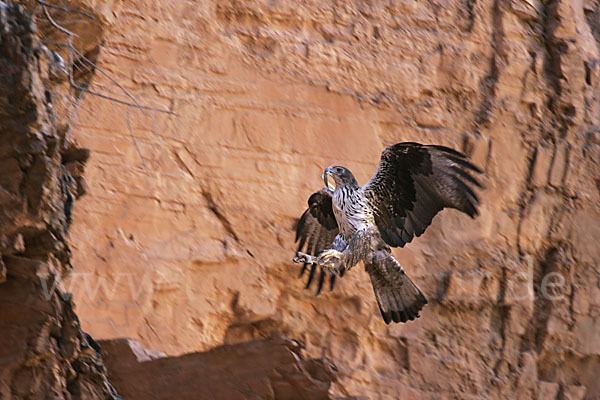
column 54, row 24
column 69, row 10
column 77, row 60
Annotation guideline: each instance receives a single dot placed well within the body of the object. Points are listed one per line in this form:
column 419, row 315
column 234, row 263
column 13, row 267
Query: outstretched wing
column 315, row 232
column 414, row 182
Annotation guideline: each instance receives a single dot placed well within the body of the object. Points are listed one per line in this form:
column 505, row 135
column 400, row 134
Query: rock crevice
column 43, row 351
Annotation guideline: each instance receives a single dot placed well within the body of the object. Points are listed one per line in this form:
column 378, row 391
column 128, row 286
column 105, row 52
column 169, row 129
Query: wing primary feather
column 464, row 163
column 434, row 205
column 464, row 187
column 311, row 275
column 302, row 242
column 332, row 282
column 311, row 243
column 406, row 237
column 465, row 176
column 456, row 156
column 469, row 199
column 409, row 225
column 446, row 150
column 471, row 210
column 300, row 226
column 321, row 280
column 395, row 238
column 416, row 223
column 317, row 248
column 304, row 265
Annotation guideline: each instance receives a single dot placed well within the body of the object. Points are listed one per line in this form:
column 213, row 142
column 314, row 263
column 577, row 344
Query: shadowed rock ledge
column 270, row 368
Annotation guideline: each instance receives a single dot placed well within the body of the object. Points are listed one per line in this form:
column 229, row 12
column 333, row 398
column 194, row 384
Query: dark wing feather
column 315, row 232
column 413, row 183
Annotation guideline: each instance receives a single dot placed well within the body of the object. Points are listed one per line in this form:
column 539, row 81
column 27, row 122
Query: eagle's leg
column 342, row 255
column 330, row 260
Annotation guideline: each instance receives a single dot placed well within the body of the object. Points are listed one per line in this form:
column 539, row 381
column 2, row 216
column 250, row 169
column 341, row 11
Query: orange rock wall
column 184, row 240
column 44, row 354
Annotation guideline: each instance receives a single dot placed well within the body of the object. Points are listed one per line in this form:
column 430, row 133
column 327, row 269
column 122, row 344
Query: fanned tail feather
column 399, row 299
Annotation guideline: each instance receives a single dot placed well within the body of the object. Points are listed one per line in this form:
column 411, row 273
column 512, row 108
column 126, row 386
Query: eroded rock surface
column 43, row 351
column 192, row 247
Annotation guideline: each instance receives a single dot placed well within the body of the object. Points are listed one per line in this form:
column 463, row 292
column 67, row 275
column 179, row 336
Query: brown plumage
column 340, row 228
column 315, row 232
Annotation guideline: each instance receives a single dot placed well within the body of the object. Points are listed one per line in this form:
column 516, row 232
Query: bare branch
column 154, row 130
column 79, row 69
column 75, row 113
column 70, row 48
column 135, row 141
column 73, row 84
column 77, row 60
column 54, row 24
column 110, row 78
column 70, row 21
column 43, row 3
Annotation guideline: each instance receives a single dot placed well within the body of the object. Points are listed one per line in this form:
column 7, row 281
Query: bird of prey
column 342, row 227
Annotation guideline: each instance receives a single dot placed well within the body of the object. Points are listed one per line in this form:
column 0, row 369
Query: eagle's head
column 341, row 176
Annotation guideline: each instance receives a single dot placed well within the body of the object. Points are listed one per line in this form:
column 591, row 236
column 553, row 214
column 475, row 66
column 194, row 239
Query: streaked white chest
column 351, row 212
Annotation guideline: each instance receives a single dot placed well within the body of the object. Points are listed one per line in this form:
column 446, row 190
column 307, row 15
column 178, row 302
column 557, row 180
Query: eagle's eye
column 338, row 170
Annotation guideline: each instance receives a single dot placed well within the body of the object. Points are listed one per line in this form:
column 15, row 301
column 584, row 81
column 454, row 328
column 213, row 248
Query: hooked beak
column 324, row 176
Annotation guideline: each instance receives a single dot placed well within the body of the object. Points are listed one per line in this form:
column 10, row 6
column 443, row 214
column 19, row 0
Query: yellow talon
column 329, row 256
column 330, row 260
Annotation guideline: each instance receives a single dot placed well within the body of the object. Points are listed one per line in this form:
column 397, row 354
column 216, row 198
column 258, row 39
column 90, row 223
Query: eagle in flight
column 342, row 227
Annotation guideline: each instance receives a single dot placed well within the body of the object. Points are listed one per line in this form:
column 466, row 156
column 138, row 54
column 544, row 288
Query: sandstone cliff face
column 185, row 238
column 43, row 351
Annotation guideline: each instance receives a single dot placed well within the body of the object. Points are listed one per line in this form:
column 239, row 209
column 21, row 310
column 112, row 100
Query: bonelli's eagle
column 340, row 228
